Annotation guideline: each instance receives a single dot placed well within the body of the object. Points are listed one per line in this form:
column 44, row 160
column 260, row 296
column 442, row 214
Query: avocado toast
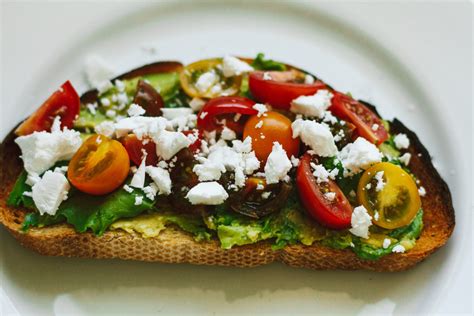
column 240, row 229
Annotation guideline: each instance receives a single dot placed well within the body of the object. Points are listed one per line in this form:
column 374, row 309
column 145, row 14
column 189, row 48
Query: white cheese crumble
column 228, row 134
column 173, row 113
column 110, row 113
column 360, row 222
column 206, row 81
column 161, row 177
column 49, row 192
column 376, row 215
column 232, row 66
column 266, row 195
column 405, row 159
column 138, row 200
column 380, row 183
column 312, row 105
column 196, row 104
column 315, row 135
column 138, row 179
column 261, row 108
column 207, row 193
column 330, row 196
column 106, row 128
column 308, row 79
column 401, row 141
column 375, row 127
column 150, row 191
column 208, row 169
column 421, row 191
column 386, row 243
column 294, row 161
column 41, row 150
column 398, row 249
column 135, row 110
column 277, row 165
column 259, row 124
column 127, row 188
column 169, row 143
column 358, row 156
column 267, row 76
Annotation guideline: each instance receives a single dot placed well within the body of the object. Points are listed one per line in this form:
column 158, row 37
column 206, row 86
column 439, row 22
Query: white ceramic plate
column 397, row 56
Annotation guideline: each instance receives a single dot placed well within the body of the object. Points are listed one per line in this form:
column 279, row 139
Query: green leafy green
column 16, row 197
column 260, row 63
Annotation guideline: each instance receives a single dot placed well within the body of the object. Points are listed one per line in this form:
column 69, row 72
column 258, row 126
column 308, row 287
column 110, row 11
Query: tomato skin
column 64, row 102
column 346, row 108
column 148, row 98
column 210, row 112
column 334, row 214
column 279, row 94
column 100, row 165
column 135, row 148
column 196, row 146
column 397, row 183
column 275, row 127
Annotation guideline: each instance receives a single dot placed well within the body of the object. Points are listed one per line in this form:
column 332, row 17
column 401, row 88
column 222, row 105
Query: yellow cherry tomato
column 214, row 84
column 389, row 194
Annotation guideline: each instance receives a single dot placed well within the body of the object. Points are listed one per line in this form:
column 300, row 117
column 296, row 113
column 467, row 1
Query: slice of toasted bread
column 176, row 246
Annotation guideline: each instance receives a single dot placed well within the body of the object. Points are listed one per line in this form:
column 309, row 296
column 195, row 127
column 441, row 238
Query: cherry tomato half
column 135, row 148
column 100, row 165
column 218, row 108
column 396, row 203
column 267, row 129
column 219, row 85
column 64, row 102
column 335, row 213
column 281, row 87
column 367, row 123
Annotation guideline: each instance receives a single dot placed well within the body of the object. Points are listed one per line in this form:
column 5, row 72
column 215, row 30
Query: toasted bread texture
column 176, row 246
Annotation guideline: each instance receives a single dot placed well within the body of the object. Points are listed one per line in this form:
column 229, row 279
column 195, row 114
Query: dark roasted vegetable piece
column 148, row 98
column 250, row 202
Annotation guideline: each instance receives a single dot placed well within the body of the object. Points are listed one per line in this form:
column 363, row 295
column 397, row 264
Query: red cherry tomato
column 218, row 108
column 135, row 148
column 64, row 102
column 196, row 146
column 282, row 88
column 368, row 124
column 336, row 213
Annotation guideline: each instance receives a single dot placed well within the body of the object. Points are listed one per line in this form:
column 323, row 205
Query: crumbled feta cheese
column 228, row 134
column 169, row 143
column 259, row 124
column 398, row 249
column 173, row 113
column 92, row 107
column 261, row 108
column 320, row 173
column 315, row 135
column 376, row 215
column 209, row 170
column 260, row 187
column 358, row 156
column 330, row 196
column 266, row 195
column 105, row 101
column 196, row 104
column 360, row 222
column 32, row 178
column 120, row 85
column 421, row 191
column 41, row 150
column 352, row 193
column 49, row 192
column 267, row 76
column 308, row 79
column 62, row 169
column 98, row 71
column 375, row 127
column 294, row 161
column 405, row 159
column 380, row 183
column 138, row 200
column 28, row 193
column 401, row 141
column 138, row 179
column 140, row 126
column 106, row 128
column 135, row 110
column 329, row 118
column 127, row 188
column 161, row 177
column 206, row 81
column 386, row 243
column 207, row 193
column 312, row 105
column 277, row 165
column 368, row 186
column 150, row 191
column 110, row 113
column 243, row 147
column 232, row 66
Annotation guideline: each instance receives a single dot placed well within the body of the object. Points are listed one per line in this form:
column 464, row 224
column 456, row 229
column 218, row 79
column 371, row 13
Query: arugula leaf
column 260, row 63
column 16, row 197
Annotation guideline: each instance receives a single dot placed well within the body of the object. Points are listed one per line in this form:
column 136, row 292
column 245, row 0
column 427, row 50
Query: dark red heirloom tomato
column 135, row 148
column 279, row 88
column 335, row 213
column 368, row 124
column 64, row 102
column 224, row 108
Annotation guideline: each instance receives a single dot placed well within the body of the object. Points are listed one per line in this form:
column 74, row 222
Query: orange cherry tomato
column 100, row 165
column 267, row 129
